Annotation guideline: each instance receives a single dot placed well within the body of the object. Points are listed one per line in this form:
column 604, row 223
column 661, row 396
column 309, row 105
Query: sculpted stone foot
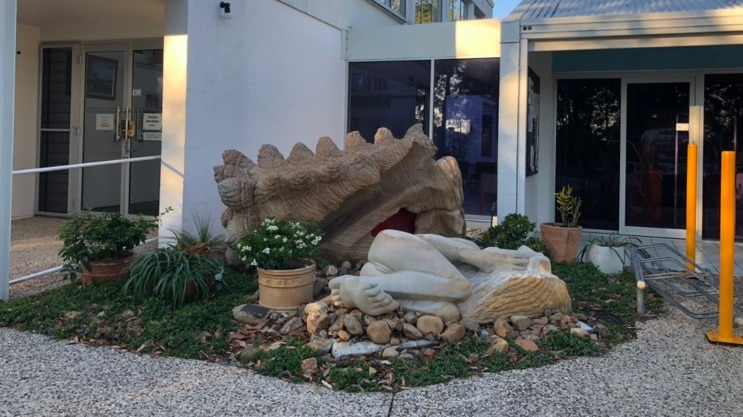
column 449, row 312
column 365, row 295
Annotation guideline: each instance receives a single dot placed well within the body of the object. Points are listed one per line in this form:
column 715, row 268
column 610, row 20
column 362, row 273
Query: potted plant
column 563, row 239
column 99, row 246
column 284, row 253
column 608, row 252
column 173, row 274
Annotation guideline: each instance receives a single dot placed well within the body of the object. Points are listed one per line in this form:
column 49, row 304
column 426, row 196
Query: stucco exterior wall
column 25, row 138
column 271, row 74
column 539, row 201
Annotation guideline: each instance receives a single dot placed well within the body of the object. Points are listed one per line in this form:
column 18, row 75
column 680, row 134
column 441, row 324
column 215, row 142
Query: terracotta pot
column 106, row 271
column 562, row 242
column 285, row 289
column 191, row 287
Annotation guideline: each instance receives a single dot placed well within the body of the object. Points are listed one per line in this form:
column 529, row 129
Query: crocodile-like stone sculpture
column 347, row 193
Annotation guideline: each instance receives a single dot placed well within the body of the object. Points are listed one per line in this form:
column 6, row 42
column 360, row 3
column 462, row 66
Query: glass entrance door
column 655, row 146
column 143, row 189
column 105, row 82
column 121, row 119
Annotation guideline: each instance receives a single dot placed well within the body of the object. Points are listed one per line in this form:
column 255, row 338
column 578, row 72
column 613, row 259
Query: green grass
column 105, row 315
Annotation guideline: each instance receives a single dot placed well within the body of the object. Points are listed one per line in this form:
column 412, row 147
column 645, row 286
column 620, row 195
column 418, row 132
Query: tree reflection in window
column 587, row 147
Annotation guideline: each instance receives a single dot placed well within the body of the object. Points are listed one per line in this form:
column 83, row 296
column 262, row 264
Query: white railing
column 5, row 244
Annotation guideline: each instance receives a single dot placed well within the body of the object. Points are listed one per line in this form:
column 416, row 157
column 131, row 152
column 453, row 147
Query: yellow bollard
column 727, row 252
column 691, row 204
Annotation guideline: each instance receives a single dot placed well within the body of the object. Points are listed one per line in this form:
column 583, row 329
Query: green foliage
column 168, row 272
column 201, row 237
column 96, row 237
column 353, row 378
column 280, row 244
column 102, row 314
column 569, row 345
column 286, row 362
column 609, row 298
column 513, row 232
column 568, row 206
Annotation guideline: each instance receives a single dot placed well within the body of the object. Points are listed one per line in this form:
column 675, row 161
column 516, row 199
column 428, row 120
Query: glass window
column 587, row 147
column 723, row 130
column 396, row 95
column 55, row 88
column 465, row 125
column 54, row 145
column 427, row 11
column 388, row 94
column 455, row 10
column 396, row 6
column 655, row 186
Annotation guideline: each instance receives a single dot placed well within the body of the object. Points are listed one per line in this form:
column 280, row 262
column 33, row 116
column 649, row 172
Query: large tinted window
column 388, row 94
column 54, row 139
column 398, row 94
column 587, row 147
column 723, row 131
column 465, row 125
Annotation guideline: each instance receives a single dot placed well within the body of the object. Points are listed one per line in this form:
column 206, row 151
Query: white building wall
column 467, row 39
column 25, row 138
column 271, row 74
column 96, row 30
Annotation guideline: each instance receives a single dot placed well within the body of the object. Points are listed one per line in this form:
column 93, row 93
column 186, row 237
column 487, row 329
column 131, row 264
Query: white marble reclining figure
column 433, row 274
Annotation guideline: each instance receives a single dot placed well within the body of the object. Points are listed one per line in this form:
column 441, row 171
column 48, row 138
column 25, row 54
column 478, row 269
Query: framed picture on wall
column 532, row 125
column 100, row 77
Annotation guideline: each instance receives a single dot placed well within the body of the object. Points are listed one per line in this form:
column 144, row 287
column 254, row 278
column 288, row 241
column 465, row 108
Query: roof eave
column 649, row 24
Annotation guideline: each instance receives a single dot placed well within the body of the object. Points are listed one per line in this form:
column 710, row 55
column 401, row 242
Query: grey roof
column 543, row 9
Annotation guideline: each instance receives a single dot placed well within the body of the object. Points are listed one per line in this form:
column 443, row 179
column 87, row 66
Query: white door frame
column 694, row 137
column 77, row 112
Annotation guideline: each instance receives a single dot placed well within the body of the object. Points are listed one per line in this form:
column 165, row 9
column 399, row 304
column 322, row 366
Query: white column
column 509, row 105
column 409, row 11
column 175, row 83
column 7, row 100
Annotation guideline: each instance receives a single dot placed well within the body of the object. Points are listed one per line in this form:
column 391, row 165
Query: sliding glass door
column 656, row 140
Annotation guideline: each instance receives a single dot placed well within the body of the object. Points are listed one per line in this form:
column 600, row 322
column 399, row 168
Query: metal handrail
column 85, row 165
column 53, row 270
column 4, row 295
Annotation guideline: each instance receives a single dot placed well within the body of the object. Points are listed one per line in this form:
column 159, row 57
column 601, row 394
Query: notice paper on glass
column 104, row 121
column 152, row 122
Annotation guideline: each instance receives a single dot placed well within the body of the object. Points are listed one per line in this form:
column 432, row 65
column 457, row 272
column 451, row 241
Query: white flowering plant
column 280, row 244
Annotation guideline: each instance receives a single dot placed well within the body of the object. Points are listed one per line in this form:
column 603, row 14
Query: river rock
column 430, row 325
column 379, row 332
column 453, row 333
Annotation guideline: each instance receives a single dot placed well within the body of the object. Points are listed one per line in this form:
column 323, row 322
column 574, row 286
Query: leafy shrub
column 514, row 231
column 97, row 237
column 168, row 273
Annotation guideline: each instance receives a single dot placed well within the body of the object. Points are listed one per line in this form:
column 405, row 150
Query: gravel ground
column 670, row 370
column 33, row 248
